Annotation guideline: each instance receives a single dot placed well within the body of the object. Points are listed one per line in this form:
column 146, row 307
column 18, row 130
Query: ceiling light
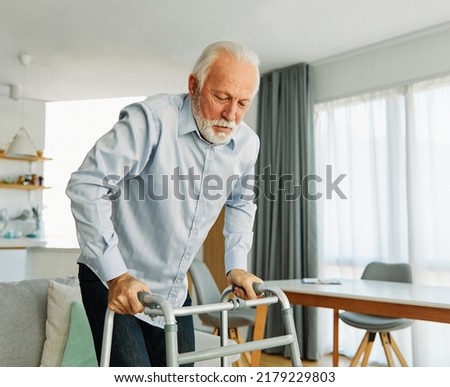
column 22, row 145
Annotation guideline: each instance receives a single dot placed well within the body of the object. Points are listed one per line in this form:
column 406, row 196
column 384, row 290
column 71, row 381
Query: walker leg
column 288, row 318
column 171, row 345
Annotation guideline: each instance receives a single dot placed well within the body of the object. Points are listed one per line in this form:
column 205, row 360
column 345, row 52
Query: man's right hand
column 122, row 295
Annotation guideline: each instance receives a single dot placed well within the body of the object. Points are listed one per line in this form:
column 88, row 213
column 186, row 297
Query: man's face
column 221, row 104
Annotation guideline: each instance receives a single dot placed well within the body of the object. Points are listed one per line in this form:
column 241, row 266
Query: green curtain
column 285, row 232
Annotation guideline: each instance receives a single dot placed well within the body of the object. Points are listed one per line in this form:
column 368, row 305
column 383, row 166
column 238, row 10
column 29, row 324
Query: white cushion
column 60, row 299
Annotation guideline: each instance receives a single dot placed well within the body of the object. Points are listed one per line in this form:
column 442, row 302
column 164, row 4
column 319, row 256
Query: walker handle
column 142, row 296
column 258, row 287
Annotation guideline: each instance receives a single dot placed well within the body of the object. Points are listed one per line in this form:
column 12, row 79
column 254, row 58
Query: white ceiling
column 111, row 48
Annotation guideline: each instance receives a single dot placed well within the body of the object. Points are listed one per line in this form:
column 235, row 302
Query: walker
column 155, row 305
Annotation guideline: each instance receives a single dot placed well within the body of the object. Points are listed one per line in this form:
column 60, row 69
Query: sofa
column 43, row 323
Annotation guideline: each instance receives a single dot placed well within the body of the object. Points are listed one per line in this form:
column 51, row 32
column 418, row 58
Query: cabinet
column 14, row 185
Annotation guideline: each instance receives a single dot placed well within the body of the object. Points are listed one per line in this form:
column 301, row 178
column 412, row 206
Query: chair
column 394, row 272
column 207, row 292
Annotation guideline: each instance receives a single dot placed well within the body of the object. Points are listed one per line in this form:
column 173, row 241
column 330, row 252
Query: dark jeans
column 135, row 343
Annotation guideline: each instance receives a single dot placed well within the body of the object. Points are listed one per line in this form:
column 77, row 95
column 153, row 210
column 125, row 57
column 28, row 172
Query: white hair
column 212, row 52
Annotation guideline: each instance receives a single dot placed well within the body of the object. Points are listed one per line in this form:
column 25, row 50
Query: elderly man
column 149, row 191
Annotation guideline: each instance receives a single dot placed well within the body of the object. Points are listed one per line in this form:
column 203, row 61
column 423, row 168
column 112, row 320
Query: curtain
column 285, row 240
column 428, row 174
column 392, row 146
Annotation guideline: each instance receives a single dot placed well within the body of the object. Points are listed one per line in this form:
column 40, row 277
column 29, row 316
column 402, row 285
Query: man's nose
column 230, row 111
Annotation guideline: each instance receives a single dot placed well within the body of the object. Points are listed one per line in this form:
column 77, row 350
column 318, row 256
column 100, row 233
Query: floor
column 280, row 361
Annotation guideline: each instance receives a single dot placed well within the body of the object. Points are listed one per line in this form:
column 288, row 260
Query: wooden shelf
column 29, row 187
column 4, row 156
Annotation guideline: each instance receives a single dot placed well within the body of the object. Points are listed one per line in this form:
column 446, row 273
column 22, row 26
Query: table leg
column 335, row 337
column 258, row 332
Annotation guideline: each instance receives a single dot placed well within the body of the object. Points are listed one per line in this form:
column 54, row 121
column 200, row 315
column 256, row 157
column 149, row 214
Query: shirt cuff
column 110, row 265
column 236, row 259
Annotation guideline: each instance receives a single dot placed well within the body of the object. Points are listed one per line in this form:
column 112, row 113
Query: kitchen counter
column 21, row 243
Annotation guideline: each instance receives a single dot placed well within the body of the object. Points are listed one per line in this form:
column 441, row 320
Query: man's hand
column 122, row 295
column 243, row 282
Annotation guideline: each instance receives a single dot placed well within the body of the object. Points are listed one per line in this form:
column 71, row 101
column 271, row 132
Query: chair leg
column 233, row 334
column 388, row 341
column 362, row 347
column 387, row 348
column 371, row 339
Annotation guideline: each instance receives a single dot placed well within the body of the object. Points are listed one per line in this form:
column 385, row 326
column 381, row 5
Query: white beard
column 205, row 127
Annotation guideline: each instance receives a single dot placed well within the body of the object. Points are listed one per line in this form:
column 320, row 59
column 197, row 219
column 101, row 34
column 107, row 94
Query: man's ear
column 192, row 84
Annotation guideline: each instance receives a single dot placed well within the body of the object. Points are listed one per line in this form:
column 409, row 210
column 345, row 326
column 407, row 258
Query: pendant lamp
column 22, row 145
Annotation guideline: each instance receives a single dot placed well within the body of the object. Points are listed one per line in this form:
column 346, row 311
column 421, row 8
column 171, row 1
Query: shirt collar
column 188, row 124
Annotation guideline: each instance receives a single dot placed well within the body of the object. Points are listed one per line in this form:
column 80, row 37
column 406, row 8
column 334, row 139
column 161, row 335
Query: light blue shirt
column 148, row 192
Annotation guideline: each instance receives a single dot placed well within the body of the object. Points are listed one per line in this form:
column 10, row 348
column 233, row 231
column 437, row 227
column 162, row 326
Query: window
column 394, row 147
column 72, row 128
column 364, row 138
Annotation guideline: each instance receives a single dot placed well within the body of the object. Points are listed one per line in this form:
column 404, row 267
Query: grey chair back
column 207, row 292
column 206, row 289
column 393, row 272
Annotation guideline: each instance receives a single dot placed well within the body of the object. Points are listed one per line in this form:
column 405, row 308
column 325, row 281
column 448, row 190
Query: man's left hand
column 243, row 282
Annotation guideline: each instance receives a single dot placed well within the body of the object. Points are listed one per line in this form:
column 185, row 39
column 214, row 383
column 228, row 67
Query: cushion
column 60, row 299
column 23, row 314
column 79, row 351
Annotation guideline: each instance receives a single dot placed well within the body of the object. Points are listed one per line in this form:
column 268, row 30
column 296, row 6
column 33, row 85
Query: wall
column 421, row 55
column 10, row 123
column 18, row 264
